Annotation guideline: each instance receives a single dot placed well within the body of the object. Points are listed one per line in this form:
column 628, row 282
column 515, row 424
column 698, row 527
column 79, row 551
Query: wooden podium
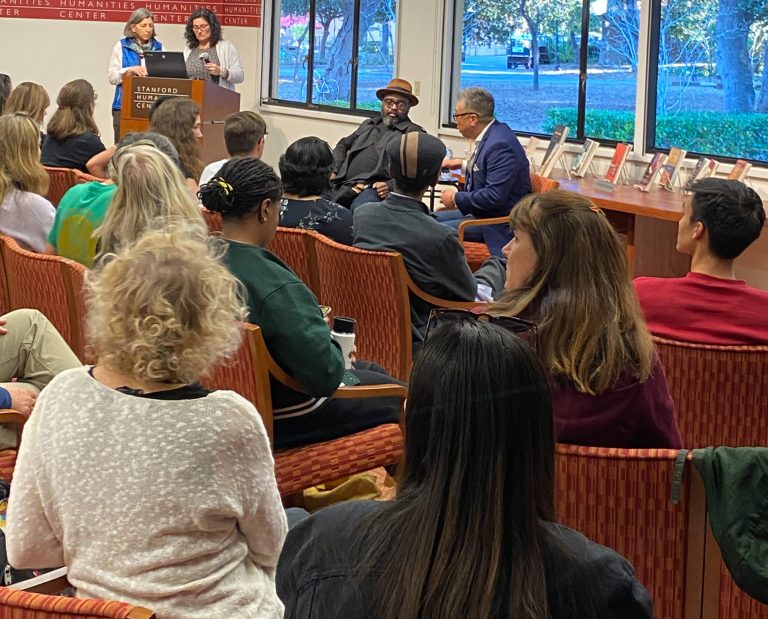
column 213, row 101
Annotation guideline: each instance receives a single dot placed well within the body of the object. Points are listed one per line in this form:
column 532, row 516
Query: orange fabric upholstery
column 7, row 464
column 296, row 248
column 540, row 184
column 369, row 286
column 51, row 284
column 734, row 603
column 14, row 418
column 28, row 605
column 213, row 221
column 61, row 180
column 621, row 498
column 302, row 467
column 720, row 392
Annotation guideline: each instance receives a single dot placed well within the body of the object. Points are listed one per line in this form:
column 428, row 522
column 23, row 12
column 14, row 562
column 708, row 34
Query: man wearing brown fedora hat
column 360, row 169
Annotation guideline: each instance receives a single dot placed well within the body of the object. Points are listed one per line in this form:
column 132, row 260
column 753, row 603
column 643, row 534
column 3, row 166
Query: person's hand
column 448, row 198
column 353, row 354
column 214, row 69
column 138, row 71
column 452, row 163
column 382, row 189
column 22, row 399
column 2, row 331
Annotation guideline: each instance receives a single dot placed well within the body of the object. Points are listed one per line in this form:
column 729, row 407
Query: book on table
column 617, row 163
column 671, row 168
column 558, row 138
column 549, row 164
column 651, row 170
column 701, row 170
column 740, row 169
column 583, row 160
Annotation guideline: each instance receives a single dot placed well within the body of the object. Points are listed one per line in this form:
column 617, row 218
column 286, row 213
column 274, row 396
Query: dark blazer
column 497, row 179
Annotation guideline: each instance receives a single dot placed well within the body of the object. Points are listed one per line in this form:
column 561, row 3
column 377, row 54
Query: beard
column 389, row 121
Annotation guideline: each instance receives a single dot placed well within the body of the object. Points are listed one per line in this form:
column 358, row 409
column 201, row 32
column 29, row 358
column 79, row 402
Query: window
column 711, row 94
column 579, row 42
column 332, row 53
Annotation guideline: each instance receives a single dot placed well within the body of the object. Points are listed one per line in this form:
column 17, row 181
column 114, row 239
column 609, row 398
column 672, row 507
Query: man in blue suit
column 496, row 173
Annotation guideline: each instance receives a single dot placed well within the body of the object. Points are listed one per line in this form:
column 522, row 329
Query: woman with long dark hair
column 567, row 272
column 72, row 136
column 207, row 54
column 471, row 532
column 178, row 119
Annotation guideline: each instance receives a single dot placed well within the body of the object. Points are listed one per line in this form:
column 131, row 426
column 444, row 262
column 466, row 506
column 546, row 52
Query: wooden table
column 648, row 220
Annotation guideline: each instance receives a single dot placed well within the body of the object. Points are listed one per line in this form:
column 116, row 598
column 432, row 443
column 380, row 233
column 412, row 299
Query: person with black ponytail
column 247, row 194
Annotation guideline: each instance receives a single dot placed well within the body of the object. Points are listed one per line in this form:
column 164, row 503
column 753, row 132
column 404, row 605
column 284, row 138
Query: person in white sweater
column 207, row 55
column 148, row 487
column 25, row 214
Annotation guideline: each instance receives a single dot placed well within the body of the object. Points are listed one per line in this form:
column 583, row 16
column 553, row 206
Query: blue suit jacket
column 499, row 178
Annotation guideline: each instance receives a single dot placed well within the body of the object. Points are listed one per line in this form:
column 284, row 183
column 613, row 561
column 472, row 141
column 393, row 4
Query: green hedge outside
column 744, row 136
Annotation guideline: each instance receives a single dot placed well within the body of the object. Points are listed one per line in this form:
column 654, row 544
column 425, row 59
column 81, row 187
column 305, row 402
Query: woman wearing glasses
column 567, row 272
column 471, row 532
column 207, row 54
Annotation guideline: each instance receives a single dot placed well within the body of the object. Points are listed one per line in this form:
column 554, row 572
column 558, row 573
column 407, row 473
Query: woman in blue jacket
column 128, row 56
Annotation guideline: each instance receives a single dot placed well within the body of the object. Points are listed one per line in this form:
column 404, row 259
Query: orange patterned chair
column 212, row 220
column 16, row 604
column 373, row 287
column 720, row 392
column 621, row 498
column 298, row 468
column 61, row 180
column 8, row 456
column 477, row 253
column 296, row 248
column 51, row 284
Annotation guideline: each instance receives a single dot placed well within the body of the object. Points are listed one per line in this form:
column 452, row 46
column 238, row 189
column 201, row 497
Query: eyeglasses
column 398, row 103
column 459, row 115
column 202, row 28
column 522, row 328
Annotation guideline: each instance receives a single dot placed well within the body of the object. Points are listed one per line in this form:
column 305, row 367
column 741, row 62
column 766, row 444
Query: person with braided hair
column 247, row 194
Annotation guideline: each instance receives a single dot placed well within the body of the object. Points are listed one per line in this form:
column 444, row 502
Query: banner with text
column 230, row 12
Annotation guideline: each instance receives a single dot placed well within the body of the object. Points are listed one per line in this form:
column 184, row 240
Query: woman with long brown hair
column 178, row 119
column 471, row 532
column 73, row 137
column 567, row 272
column 25, row 214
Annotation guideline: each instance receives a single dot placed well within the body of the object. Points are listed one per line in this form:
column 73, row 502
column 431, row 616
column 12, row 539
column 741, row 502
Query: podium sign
column 213, row 101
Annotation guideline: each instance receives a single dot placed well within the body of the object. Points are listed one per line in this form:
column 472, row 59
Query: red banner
column 230, row 12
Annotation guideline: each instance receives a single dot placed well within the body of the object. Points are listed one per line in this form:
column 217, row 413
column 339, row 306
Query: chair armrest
column 437, row 302
column 50, row 582
column 469, row 223
column 10, row 416
column 372, row 391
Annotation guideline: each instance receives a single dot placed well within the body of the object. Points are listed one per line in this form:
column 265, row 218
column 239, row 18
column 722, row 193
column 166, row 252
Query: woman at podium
column 128, row 56
column 207, row 54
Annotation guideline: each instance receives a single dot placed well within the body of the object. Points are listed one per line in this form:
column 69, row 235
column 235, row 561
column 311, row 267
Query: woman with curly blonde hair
column 567, row 272
column 181, row 478
column 25, row 214
column 178, row 119
column 73, row 137
column 150, row 193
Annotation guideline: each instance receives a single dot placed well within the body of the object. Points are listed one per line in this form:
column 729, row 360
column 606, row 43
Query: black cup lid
column 342, row 324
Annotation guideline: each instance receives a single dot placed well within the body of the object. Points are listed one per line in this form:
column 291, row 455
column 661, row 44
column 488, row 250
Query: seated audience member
column 243, row 136
column 197, row 525
column 31, row 99
column 73, row 137
column 178, row 119
column 721, row 218
column 83, row 208
column 472, row 530
column 32, row 352
column 305, row 169
column 567, row 272
column 247, row 194
column 359, row 170
column 5, row 89
column 150, row 193
column 432, row 252
column 497, row 174
column 25, row 214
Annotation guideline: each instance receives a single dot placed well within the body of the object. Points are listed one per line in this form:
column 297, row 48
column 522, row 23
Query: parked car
column 519, row 53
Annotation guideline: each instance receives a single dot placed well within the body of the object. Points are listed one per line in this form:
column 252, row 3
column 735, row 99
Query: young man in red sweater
column 721, row 218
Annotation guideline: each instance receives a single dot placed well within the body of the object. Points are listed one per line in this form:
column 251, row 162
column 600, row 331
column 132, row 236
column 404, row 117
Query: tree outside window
column 332, row 53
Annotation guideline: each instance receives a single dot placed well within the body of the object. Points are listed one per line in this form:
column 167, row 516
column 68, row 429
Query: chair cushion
column 476, row 254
